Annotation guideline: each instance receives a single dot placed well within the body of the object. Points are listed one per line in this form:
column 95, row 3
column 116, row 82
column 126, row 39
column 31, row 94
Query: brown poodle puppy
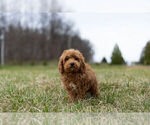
column 77, row 76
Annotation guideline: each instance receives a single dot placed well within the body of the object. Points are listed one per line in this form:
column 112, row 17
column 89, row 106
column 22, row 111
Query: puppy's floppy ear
column 61, row 65
column 82, row 68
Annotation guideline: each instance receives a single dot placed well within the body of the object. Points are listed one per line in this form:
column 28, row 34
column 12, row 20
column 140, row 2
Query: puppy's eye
column 66, row 58
column 76, row 58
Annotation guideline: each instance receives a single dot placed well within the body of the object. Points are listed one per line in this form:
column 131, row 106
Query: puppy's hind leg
column 94, row 90
column 81, row 94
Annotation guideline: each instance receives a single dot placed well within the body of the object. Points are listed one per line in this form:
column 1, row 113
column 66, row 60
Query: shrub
column 104, row 60
column 44, row 63
column 32, row 63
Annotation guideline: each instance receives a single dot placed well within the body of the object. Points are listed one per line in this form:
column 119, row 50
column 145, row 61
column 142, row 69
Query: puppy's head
column 71, row 61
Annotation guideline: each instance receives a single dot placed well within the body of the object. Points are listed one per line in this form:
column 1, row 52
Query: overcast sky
column 107, row 22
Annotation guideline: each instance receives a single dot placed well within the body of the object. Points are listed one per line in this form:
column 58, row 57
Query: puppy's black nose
column 72, row 64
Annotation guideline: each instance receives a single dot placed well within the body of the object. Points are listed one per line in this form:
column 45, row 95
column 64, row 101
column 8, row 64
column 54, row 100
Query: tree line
column 118, row 59
column 24, row 44
column 43, row 36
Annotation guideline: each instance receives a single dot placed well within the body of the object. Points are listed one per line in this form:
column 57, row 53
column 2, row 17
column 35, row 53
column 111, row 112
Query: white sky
column 106, row 22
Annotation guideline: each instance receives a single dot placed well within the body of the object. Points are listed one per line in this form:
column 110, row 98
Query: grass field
column 38, row 89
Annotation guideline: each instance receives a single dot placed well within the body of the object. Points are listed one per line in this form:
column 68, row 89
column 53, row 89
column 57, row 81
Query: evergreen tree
column 117, row 57
column 104, row 60
column 147, row 54
column 141, row 61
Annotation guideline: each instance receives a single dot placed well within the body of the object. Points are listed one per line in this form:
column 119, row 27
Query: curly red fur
column 77, row 76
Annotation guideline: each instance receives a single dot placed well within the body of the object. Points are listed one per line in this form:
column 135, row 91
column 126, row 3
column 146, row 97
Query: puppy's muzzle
column 72, row 65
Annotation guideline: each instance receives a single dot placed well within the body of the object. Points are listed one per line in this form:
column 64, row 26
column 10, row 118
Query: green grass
column 39, row 89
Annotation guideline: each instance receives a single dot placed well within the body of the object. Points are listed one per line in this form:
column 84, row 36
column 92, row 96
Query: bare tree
column 2, row 29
